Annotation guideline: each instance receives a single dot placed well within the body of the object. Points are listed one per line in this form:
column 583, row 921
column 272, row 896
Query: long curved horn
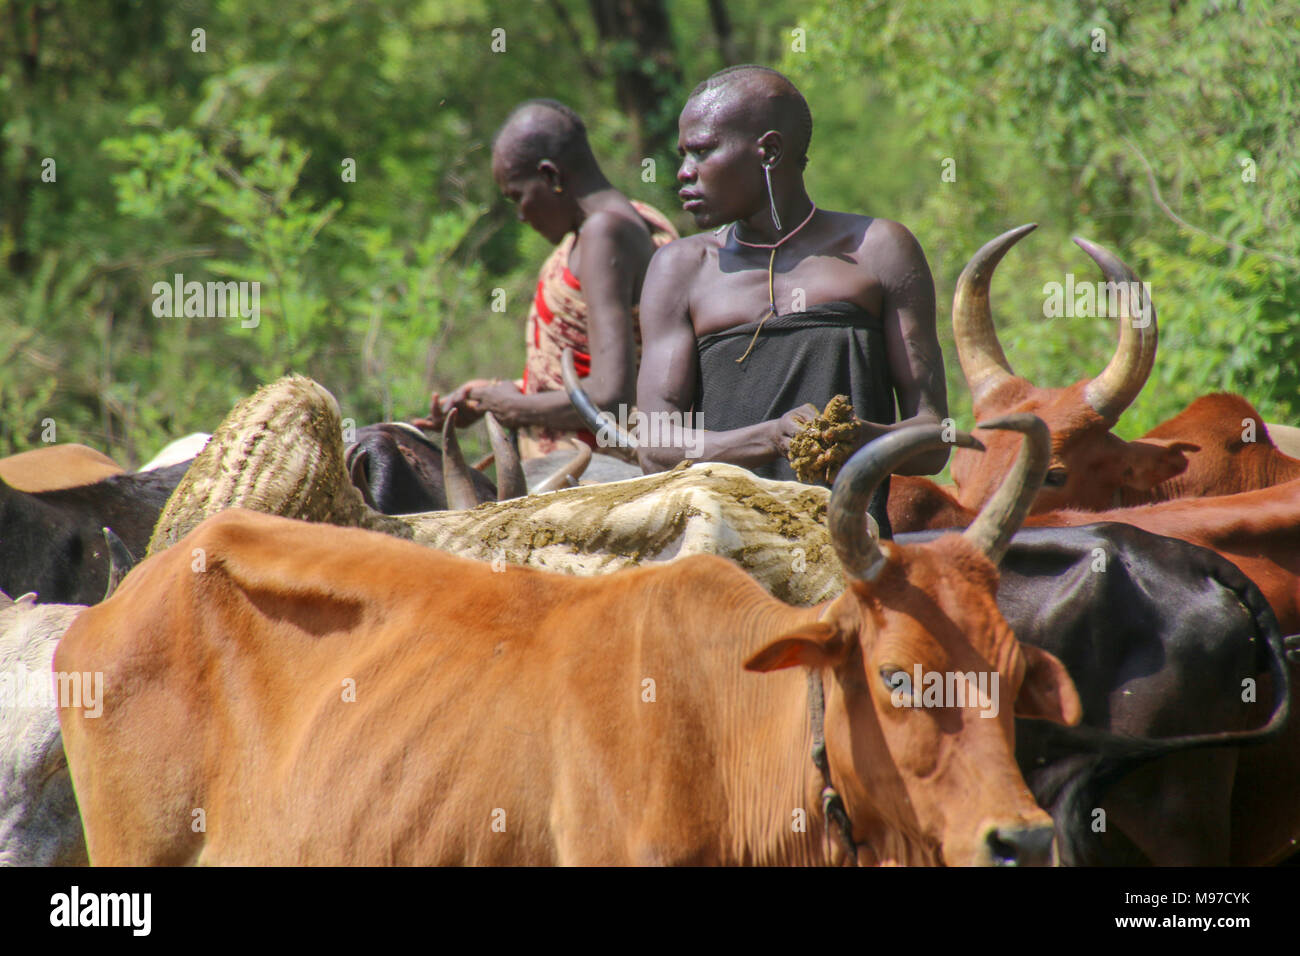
column 1002, row 514
column 982, row 360
column 456, row 481
column 1122, row 379
column 120, row 561
column 573, row 468
column 510, row 473
column 591, row 415
column 858, row 550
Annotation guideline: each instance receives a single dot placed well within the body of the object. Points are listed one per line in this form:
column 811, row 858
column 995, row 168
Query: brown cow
column 58, row 466
column 1208, row 449
column 313, row 700
column 1235, row 452
column 1089, row 465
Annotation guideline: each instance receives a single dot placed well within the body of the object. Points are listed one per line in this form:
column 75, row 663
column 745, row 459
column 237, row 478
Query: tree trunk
column 722, row 28
column 638, row 42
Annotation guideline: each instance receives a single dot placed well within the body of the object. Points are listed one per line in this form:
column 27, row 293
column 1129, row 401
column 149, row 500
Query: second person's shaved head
column 543, row 129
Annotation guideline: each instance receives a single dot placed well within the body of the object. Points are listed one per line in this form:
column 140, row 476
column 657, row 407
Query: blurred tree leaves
column 1109, row 119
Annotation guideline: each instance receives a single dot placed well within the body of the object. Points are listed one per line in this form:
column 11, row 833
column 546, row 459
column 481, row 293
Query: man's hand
column 436, row 417
column 468, row 411
column 498, row 397
column 789, row 425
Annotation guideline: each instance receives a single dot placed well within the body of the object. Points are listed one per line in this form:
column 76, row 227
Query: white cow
column 182, row 449
column 39, row 822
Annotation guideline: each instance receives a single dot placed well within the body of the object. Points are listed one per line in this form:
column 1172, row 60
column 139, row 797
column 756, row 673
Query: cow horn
column 120, row 561
column 858, row 550
column 510, row 473
column 1122, row 379
column 574, row 469
column 591, row 415
column 1002, row 514
column 982, row 360
column 456, row 481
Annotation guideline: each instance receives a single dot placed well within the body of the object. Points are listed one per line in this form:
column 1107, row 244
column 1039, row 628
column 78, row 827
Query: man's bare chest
column 732, row 292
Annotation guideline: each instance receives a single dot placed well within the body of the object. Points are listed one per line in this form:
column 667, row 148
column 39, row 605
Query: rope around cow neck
column 836, row 816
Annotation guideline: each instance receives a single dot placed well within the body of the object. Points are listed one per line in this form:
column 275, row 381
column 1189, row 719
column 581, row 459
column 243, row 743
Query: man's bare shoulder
column 614, row 225
column 683, row 258
column 885, row 247
column 890, row 240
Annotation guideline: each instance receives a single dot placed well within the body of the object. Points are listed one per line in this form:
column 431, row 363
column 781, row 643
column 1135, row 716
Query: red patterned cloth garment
column 558, row 319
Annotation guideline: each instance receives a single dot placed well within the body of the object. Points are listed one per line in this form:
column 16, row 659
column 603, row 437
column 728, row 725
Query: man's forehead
column 716, row 110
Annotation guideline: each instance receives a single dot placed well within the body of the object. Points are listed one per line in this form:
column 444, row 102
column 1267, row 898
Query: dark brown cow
column 52, row 542
column 314, row 701
column 400, row 471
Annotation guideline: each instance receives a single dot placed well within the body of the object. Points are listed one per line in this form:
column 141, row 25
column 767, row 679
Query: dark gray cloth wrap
column 832, row 349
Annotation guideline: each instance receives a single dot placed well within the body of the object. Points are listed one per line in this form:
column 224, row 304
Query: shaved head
column 543, row 129
column 755, row 99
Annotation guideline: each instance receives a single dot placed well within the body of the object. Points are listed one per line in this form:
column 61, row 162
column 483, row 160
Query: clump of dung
column 824, row 444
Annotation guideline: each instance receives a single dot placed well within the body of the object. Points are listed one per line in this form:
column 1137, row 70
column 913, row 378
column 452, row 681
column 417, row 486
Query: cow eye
column 1055, row 478
column 896, row 679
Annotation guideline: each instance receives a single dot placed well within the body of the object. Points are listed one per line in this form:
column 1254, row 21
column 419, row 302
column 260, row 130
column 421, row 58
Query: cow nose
column 1021, row 846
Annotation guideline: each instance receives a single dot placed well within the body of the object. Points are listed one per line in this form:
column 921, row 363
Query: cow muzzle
column 1020, row 845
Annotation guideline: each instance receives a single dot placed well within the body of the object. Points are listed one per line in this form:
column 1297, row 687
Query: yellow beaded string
column 771, row 279
column 771, row 306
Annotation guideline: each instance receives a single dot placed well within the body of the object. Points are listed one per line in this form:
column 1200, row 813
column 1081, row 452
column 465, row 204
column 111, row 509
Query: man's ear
column 817, row 644
column 551, row 175
column 1150, row 461
column 771, row 147
column 1047, row 692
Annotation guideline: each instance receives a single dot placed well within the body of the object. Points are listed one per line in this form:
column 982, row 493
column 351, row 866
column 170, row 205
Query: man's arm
column 614, row 255
column 911, row 338
column 670, row 369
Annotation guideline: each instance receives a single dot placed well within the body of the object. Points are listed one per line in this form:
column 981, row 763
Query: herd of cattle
column 698, row 666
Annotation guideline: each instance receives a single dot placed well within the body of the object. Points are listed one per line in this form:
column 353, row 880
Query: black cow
column 400, row 471
column 1158, row 635
column 52, row 542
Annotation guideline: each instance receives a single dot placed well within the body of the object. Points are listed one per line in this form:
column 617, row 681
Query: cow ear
column 1047, row 692
column 1151, row 461
column 359, row 472
column 818, row 644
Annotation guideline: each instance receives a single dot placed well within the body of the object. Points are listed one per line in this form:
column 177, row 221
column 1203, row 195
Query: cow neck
column 834, row 815
column 763, row 786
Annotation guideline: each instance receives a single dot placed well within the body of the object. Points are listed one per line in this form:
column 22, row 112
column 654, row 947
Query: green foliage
column 229, row 165
column 1053, row 113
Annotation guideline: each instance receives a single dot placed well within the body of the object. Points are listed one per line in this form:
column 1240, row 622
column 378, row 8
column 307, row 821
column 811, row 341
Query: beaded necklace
column 771, row 286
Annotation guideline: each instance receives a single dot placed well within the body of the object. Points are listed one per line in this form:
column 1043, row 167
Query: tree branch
column 1231, row 244
column 589, row 66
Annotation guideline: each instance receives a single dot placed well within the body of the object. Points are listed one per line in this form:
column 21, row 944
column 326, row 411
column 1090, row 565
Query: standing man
column 587, row 290
column 782, row 305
